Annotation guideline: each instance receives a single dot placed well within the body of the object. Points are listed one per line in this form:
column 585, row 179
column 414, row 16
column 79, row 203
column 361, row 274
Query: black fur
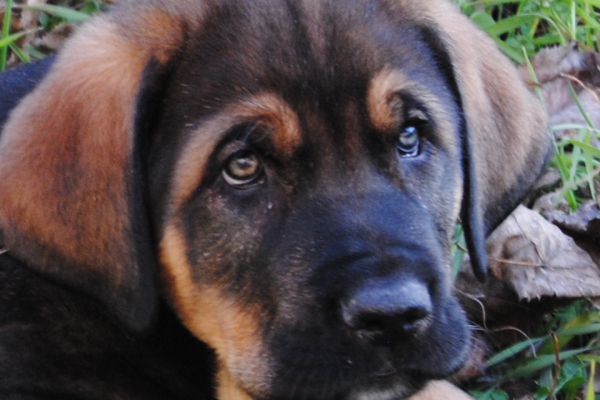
column 62, row 345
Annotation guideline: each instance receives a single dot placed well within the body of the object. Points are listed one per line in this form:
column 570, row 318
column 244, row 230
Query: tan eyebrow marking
column 267, row 109
column 384, row 104
column 275, row 112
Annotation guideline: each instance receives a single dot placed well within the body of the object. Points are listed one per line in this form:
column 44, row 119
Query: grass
column 50, row 16
column 559, row 362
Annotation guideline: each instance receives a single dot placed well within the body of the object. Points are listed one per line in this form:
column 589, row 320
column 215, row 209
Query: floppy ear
column 71, row 197
column 505, row 139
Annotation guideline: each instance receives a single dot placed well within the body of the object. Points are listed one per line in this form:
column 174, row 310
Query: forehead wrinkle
column 267, row 109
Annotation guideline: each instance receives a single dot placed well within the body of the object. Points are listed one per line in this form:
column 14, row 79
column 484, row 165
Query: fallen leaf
column 552, row 201
column 585, row 221
column 558, row 69
column 536, row 259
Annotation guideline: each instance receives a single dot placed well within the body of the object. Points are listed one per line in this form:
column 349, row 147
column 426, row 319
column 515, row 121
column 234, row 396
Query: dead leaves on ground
column 545, row 255
column 550, row 251
column 536, row 259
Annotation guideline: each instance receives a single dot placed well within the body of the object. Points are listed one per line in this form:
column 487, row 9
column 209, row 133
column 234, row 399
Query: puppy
column 254, row 196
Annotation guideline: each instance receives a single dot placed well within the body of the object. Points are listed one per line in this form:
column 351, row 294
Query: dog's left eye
column 408, row 141
column 243, row 169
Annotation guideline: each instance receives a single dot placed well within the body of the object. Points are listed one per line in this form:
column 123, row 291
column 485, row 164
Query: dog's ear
column 71, row 197
column 505, row 138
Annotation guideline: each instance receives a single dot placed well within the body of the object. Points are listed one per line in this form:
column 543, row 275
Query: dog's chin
column 393, row 387
column 395, row 391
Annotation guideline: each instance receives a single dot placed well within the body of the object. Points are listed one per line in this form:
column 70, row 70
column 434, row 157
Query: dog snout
column 385, row 311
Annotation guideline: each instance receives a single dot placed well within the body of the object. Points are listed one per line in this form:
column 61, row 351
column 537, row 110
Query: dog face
column 325, row 187
column 292, row 173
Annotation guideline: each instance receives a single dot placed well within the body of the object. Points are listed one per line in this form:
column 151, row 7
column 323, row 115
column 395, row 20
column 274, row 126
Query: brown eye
column 242, row 169
column 408, row 141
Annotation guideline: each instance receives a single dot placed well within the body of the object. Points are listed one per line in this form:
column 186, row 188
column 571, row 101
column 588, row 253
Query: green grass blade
column 512, row 350
column 58, row 11
column 536, row 84
column 510, row 24
column 572, row 126
column 573, row 24
column 541, row 362
column 580, row 330
column 585, row 146
column 483, row 19
column 5, row 41
column 515, row 55
column 591, row 393
column 5, row 34
column 458, row 250
column 587, row 19
column 585, row 115
column 24, row 57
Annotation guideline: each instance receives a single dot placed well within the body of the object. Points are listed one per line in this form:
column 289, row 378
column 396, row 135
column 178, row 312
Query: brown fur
column 80, row 183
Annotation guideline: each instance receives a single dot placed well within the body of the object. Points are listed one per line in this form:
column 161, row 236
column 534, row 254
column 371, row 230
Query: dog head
column 291, row 172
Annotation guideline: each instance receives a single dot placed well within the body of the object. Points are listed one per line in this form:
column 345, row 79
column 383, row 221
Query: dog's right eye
column 408, row 141
column 243, row 169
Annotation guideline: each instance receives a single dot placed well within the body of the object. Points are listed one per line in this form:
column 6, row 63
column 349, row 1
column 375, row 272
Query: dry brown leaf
column 585, row 221
column 552, row 201
column 536, row 259
column 556, row 68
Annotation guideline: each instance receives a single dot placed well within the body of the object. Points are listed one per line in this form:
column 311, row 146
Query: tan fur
column 231, row 329
column 78, row 147
column 383, row 107
column 441, row 390
column 59, row 122
column 273, row 111
column 227, row 388
column 94, row 188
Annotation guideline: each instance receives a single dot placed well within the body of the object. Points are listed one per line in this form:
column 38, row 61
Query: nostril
column 385, row 310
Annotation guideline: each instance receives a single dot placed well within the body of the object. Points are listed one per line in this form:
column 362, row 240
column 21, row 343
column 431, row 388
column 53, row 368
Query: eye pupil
column 408, row 141
column 243, row 168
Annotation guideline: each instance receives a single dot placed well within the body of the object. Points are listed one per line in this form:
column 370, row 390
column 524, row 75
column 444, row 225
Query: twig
column 583, row 85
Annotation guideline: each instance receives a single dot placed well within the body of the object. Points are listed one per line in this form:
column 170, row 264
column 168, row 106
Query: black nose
column 387, row 310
